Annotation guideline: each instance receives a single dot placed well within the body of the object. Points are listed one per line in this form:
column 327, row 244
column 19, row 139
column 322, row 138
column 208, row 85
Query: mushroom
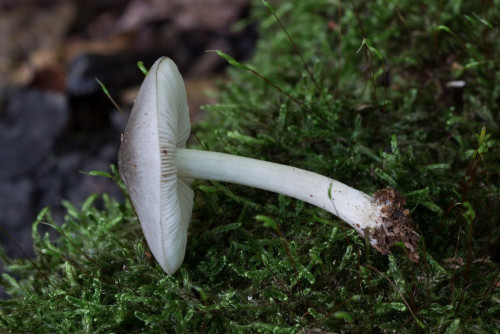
column 158, row 169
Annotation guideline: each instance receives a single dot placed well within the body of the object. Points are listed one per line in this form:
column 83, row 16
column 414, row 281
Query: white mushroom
column 158, row 126
column 158, row 170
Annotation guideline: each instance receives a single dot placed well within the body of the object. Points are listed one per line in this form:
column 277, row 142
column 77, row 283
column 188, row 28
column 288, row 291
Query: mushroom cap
column 158, row 125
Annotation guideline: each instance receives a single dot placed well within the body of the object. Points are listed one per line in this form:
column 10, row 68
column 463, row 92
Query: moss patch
column 372, row 101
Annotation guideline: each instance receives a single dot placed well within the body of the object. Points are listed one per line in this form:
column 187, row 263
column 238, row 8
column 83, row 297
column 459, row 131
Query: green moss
column 261, row 262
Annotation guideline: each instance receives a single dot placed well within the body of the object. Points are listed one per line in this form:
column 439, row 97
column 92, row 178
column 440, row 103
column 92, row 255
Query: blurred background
column 55, row 120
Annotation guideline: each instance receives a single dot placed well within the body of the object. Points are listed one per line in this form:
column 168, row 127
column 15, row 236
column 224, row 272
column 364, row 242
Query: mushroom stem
column 382, row 217
column 352, row 206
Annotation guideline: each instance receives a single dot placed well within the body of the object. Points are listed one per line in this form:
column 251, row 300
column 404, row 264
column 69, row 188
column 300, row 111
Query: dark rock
column 116, row 72
column 28, row 127
column 16, row 205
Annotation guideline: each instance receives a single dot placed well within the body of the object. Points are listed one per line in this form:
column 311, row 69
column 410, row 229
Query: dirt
column 397, row 225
